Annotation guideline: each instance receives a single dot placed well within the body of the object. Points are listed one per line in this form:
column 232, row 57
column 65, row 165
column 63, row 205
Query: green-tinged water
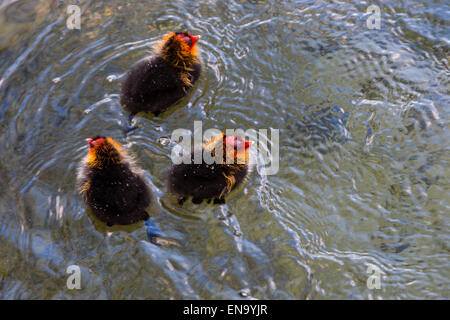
column 364, row 130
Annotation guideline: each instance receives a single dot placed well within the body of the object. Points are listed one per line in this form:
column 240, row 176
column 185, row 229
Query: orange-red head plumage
column 104, row 151
column 234, row 148
column 179, row 49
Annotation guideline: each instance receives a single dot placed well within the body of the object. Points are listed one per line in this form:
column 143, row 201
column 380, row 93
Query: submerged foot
column 165, row 242
column 156, row 237
column 130, row 128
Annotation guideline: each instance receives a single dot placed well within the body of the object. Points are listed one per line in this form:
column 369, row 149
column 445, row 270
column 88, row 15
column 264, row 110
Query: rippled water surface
column 364, row 150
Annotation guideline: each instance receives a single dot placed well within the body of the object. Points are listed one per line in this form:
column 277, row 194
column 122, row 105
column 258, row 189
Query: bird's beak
column 89, row 140
column 194, row 40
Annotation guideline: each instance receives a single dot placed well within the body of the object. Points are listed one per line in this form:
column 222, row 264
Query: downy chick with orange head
column 111, row 184
column 210, row 180
column 154, row 84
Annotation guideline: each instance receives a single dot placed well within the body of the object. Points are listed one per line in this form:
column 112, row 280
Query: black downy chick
column 212, row 181
column 111, row 184
column 154, row 84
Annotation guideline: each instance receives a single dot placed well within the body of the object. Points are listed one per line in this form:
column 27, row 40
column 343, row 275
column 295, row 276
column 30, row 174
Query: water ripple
column 363, row 175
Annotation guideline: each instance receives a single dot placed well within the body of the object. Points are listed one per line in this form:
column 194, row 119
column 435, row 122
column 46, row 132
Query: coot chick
column 154, row 84
column 212, row 181
column 112, row 185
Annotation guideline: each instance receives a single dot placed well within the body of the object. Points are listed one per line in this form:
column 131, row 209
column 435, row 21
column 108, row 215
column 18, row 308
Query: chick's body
column 205, row 181
column 209, row 181
column 154, row 84
column 111, row 185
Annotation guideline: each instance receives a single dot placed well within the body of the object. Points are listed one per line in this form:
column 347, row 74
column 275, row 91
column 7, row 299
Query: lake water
column 364, row 133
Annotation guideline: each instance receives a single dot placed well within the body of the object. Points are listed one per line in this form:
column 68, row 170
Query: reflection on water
column 364, row 152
